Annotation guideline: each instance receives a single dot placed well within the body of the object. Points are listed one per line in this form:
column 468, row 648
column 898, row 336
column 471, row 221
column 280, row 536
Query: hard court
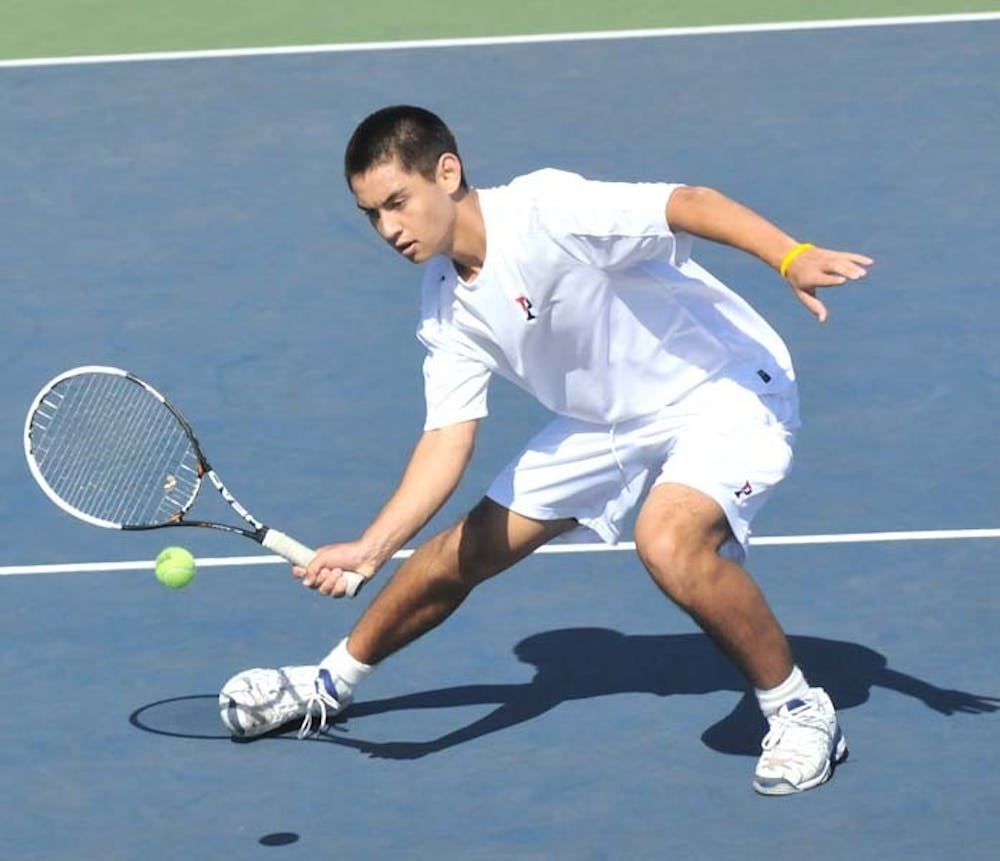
column 186, row 219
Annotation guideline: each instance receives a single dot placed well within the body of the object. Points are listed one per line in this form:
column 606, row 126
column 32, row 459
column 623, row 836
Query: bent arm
column 711, row 215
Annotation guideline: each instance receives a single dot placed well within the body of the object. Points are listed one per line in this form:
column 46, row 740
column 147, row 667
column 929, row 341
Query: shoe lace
column 317, row 701
column 805, row 731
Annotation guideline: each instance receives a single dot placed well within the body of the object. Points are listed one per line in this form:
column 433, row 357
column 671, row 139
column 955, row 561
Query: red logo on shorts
column 746, row 490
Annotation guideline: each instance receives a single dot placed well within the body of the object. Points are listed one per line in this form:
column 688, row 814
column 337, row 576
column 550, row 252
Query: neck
column 468, row 250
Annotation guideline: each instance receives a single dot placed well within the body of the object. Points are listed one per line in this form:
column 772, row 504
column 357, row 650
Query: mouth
column 407, row 249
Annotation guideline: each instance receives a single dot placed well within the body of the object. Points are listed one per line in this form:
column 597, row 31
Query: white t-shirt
column 590, row 303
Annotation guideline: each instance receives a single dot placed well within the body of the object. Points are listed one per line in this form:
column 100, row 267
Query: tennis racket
column 109, row 449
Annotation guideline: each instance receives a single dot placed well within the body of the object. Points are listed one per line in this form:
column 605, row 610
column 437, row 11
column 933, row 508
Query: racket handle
column 298, row 554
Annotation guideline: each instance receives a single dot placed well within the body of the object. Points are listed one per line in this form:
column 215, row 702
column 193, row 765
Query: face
column 415, row 215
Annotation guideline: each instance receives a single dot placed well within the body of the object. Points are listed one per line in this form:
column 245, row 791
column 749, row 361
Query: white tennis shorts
column 722, row 439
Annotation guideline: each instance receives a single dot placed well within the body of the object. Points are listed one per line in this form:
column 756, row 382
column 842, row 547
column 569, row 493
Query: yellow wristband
column 791, row 255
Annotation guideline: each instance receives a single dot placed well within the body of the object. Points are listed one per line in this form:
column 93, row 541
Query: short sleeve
column 455, row 389
column 456, row 379
column 611, row 225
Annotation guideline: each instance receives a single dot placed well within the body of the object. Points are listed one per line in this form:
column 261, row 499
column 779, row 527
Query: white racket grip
column 298, row 554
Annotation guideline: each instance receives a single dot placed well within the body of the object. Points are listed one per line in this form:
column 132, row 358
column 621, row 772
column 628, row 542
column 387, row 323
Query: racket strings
column 111, row 449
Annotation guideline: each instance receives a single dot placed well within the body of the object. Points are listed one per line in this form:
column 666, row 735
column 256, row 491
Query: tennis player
column 668, row 391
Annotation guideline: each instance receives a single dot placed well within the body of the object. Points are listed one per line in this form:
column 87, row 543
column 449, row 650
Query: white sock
column 345, row 672
column 794, row 687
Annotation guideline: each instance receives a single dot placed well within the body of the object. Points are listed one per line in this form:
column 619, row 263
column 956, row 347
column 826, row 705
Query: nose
column 388, row 227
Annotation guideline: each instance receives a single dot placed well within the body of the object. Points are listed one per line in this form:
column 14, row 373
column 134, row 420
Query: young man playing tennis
column 667, row 388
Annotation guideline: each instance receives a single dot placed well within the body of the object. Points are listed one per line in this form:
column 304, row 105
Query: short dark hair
column 417, row 137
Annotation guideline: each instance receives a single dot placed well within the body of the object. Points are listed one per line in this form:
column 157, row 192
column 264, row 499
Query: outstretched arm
column 711, row 215
column 944, row 700
column 432, row 474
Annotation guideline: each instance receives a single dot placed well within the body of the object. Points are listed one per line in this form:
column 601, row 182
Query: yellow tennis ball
column 175, row 567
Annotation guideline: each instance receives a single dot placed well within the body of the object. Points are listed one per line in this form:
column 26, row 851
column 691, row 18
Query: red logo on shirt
column 526, row 306
column 746, row 490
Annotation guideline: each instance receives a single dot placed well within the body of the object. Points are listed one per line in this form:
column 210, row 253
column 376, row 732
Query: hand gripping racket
column 109, row 449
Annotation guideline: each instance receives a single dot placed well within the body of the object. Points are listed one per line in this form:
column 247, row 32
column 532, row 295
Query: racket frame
column 272, row 539
column 203, row 467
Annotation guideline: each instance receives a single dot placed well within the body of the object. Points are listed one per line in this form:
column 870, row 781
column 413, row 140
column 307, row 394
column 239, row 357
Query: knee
column 480, row 544
column 463, row 554
column 678, row 564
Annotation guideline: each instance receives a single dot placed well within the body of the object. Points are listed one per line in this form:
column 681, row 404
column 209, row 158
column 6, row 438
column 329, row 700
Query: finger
column 340, row 587
column 852, row 266
column 314, row 579
column 298, row 571
column 334, row 585
column 821, row 278
column 314, row 567
column 814, row 306
column 852, row 256
column 849, row 270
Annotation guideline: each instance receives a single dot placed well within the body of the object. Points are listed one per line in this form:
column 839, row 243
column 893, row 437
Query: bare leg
column 678, row 534
column 430, row 585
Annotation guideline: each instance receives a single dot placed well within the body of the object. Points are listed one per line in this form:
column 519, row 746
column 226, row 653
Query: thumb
column 813, row 305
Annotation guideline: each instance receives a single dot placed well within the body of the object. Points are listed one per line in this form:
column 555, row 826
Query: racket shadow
column 585, row 663
column 194, row 716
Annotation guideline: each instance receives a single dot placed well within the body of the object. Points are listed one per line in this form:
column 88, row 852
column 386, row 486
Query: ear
column 449, row 172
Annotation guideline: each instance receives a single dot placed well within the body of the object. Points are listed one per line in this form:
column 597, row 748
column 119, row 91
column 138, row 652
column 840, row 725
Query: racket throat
column 234, row 503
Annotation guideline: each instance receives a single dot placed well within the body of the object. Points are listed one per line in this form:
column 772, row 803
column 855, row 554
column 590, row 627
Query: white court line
column 763, row 541
column 781, row 26
column 477, row 41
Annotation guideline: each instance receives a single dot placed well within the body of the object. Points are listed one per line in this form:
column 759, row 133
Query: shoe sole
column 839, row 754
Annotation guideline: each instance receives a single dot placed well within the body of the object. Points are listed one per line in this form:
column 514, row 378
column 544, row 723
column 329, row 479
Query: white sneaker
column 802, row 747
column 258, row 701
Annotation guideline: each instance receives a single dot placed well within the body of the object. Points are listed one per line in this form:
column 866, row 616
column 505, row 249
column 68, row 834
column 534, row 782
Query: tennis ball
column 175, row 567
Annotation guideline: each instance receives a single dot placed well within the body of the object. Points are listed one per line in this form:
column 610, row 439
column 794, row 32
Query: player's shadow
column 583, row 663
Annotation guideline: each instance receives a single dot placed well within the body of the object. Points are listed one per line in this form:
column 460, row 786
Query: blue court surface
column 187, row 220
